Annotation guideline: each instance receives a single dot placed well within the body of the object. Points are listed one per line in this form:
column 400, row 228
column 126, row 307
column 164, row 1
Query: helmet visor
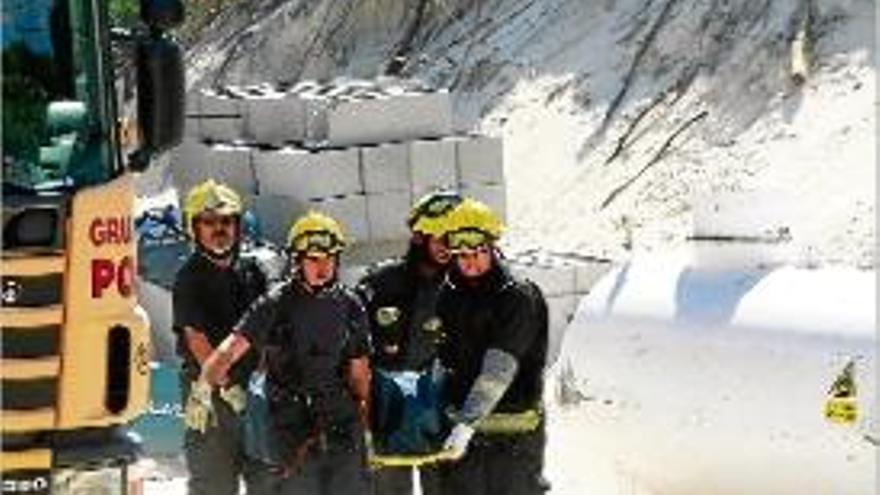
column 317, row 242
column 468, row 239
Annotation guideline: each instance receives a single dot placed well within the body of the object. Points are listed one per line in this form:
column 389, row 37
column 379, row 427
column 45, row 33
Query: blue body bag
column 407, row 412
column 260, row 437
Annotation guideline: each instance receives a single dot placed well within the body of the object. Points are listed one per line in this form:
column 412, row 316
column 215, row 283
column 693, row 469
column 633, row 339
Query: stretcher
column 380, row 461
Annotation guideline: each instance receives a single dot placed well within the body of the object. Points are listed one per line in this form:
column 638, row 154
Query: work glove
column 235, row 396
column 368, row 442
column 456, row 443
column 199, row 413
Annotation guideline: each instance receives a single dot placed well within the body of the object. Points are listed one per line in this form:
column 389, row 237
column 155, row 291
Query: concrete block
column 480, row 160
column 350, row 275
column 554, row 281
column 386, row 214
column 276, row 214
column 432, row 165
column 561, row 310
column 369, row 253
column 275, row 118
column 221, row 129
column 350, row 211
column 308, row 175
column 316, row 126
column 192, row 128
column 400, row 117
column 385, row 168
column 494, row 195
column 193, row 102
column 221, row 116
column 213, row 102
column 193, row 162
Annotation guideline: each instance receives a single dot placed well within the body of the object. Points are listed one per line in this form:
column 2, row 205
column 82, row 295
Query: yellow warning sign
column 841, row 406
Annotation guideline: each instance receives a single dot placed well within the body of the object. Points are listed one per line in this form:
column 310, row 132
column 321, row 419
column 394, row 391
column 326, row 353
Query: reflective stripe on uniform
column 510, row 423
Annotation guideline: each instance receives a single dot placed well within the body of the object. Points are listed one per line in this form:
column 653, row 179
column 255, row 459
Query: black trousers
column 337, row 469
column 498, row 464
column 398, row 481
column 215, row 459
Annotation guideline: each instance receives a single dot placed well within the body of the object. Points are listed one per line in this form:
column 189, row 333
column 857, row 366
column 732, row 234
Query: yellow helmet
column 316, row 234
column 473, row 224
column 210, row 196
column 430, row 214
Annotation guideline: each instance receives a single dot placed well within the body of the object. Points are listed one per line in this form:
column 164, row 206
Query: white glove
column 199, row 412
column 457, row 442
column 235, row 396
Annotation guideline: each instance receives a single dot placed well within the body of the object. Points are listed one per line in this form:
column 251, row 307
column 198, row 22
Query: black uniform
column 308, row 340
column 401, row 303
column 497, row 312
column 212, row 299
column 408, row 340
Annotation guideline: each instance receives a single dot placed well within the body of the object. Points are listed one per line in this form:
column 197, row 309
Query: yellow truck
column 75, row 344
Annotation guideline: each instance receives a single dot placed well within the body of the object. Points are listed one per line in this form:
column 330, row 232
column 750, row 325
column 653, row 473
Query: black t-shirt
column 499, row 312
column 402, row 307
column 212, row 299
column 308, row 340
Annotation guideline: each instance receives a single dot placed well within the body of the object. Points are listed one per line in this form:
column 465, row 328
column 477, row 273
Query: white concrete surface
column 432, row 165
column 350, row 211
column 386, row 214
column 308, row 175
column 385, row 168
column 480, row 160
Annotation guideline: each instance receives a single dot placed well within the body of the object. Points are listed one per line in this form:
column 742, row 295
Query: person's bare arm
column 217, row 364
column 359, row 377
column 197, row 343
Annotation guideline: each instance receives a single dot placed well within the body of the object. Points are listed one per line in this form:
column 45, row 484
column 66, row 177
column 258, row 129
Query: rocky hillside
column 619, row 117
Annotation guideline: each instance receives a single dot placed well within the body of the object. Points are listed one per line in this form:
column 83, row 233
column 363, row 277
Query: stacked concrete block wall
column 322, row 115
column 195, row 161
column 363, row 151
column 221, row 116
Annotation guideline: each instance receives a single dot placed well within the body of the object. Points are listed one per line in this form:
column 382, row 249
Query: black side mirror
column 160, row 96
column 162, row 14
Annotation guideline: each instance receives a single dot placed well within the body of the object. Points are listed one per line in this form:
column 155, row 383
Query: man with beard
column 495, row 351
column 314, row 336
column 400, row 296
column 211, row 292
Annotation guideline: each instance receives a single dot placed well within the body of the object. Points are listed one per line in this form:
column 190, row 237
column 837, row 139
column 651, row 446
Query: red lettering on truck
column 107, row 273
column 111, row 230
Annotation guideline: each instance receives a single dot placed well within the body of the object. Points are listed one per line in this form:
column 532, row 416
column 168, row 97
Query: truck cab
column 76, row 347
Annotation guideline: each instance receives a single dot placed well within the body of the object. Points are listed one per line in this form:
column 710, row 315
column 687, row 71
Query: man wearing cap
column 211, row 292
column 400, row 296
column 314, row 336
column 496, row 345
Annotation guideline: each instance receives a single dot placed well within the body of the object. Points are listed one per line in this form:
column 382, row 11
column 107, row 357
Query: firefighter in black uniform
column 400, row 296
column 315, row 339
column 211, row 292
column 495, row 350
